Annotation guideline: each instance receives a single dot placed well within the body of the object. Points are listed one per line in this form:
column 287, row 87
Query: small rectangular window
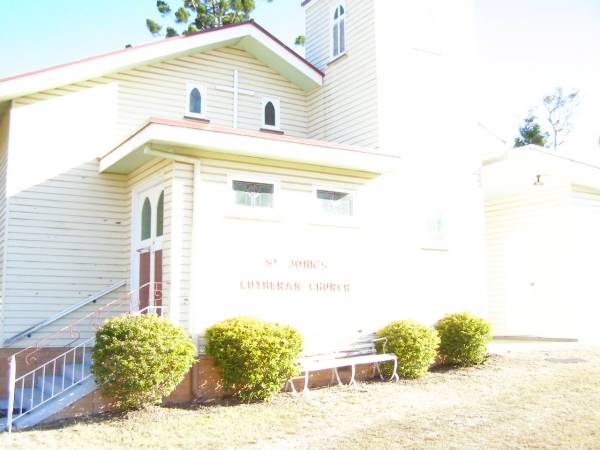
column 255, row 195
column 336, row 203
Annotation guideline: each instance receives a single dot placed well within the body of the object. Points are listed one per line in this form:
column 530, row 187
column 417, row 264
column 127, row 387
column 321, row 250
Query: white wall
column 159, row 90
column 424, row 53
column 4, row 125
column 69, row 228
column 426, row 116
column 381, row 256
column 530, row 261
column 404, row 87
column 583, row 298
column 237, row 247
column 345, row 108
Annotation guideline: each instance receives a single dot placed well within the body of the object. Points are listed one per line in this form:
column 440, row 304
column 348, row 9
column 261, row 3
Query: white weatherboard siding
column 69, row 229
column 67, row 225
column 4, row 123
column 76, row 251
column 584, row 297
column 529, row 261
column 160, row 90
column 173, row 178
column 65, row 240
column 345, row 109
column 180, row 215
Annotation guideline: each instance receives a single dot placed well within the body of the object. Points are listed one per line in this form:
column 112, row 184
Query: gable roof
column 248, row 36
column 518, row 167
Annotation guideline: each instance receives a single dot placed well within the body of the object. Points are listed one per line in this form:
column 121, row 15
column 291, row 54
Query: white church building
column 221, row 174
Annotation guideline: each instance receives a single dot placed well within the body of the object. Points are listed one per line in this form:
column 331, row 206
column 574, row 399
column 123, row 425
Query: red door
column 158, row 279
column 149, row 249
column 144, row 284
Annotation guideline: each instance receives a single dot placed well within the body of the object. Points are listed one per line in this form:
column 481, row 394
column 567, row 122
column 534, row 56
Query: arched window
column 146, row 219
column 195, row 101
column 339, row 31
column 160, row 213
column 270, row 114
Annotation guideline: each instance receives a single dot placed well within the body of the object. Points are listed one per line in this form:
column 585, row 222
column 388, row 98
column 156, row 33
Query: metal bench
column 333, row 353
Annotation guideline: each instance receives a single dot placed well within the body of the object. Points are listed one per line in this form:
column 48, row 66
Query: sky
column 525, row 48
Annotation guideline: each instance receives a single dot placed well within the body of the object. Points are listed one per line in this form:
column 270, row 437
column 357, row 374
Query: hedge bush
column 138, row 360
column 255, row 357
column 463, row 339
column 414, row 344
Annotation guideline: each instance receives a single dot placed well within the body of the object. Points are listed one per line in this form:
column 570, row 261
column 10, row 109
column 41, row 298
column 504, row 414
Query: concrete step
column 51, row 406
column 26, row 399
column 76, row 372
column 55, row 405
column 66, row 381
column 60, row 384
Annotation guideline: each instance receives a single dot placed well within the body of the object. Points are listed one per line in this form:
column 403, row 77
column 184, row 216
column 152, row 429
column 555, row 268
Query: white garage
column 542, row 215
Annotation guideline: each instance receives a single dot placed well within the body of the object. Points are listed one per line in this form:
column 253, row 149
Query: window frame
column 320, row 217
column 431, row 240
column 142, row 236
column 190, row 86
column 160, row 214
column 251, row 212
column 332, row 23
column 277, row 105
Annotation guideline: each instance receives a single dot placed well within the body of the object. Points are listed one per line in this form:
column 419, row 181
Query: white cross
column 236, row 92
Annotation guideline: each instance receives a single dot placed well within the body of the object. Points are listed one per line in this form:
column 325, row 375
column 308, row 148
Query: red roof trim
column 149, row 44
column 288, row 49
column 249, row 133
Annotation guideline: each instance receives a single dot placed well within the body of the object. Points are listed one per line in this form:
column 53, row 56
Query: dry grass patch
column 538, row 399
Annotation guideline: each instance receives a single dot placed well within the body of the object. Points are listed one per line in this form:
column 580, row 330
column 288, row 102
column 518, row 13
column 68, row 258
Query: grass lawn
column 534, row 399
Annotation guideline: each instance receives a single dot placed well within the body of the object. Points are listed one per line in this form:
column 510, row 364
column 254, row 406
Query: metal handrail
column 158, row 310
column 24, row 405
column 131, row 297
column 92, row 298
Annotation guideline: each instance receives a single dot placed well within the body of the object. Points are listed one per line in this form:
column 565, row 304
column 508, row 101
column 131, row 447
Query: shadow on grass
column 441, row 367
column 119, row 416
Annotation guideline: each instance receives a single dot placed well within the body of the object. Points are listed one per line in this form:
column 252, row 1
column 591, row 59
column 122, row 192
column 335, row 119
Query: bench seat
column 356, row 351
column 333, row 363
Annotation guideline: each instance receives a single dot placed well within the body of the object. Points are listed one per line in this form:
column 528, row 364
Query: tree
column 560, row 108
column 531, row 133
column 300, row 40
column 199, row 15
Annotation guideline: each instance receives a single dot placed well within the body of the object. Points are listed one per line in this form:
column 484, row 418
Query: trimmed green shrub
column 255, row 358
column 463, row 339
column 414, row 344
column 138, row 360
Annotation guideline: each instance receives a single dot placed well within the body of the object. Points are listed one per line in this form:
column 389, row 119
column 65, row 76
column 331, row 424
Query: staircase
column 55, row 384
column 49, row 388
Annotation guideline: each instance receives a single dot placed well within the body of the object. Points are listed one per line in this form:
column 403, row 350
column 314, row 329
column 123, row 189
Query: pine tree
column 531, row 133
column 199, row 15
